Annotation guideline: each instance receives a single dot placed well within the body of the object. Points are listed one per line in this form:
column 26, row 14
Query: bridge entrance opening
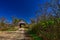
column 21, row 25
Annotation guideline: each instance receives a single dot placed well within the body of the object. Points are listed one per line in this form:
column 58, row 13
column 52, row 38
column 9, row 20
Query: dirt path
column 14, row 35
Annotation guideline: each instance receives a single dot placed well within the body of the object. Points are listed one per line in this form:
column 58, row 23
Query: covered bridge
column 22, row 24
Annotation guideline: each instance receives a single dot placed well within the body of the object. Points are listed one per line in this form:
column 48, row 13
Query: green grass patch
column 35, row 37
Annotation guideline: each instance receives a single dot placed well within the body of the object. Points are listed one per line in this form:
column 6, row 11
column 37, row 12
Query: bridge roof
column 22, row 21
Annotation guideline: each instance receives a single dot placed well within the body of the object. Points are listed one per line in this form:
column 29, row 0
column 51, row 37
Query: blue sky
column 24, row 9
